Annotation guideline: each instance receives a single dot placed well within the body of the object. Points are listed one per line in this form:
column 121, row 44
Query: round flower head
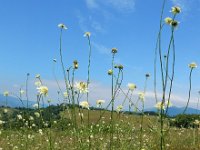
column 6, row 93
column 176, row 10
column 37, row 114
column 87, row 34
column 37, row 76
column 62, row 26
column 114, row 50
column 82, row 87
column 43, row 90
column 5, row 111
column 100, row 102
column 160, row 106
column 21, row 92
column 38, row 83
column 147, row 75
column 119, row 108
column 120, row 67
column 193, row 65
column 65, row 94
column 174, row 23
column 141, row 96
column 131, row 86
column 168, row 20
column 35, row 106
column 75, row 64
column 196, row 122
column 19, row 117
column 110, row 72
column 84, row 104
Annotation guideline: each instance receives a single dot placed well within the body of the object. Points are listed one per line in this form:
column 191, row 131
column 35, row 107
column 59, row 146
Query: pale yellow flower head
column 141, row 96
column 21, row 92
column 114, row 50
column 196, row 122
column 161, row 105
column 82, row 87
column 37, row 114
column 5, row 111
column 37, row 76
column 131, row 86
column 35, row 106
column 62, row 26
column 84, row 104
column 176, row 10
column 193, row 65
column 6, row 93
column 19, row 117
column 65, row 94
column 119, row 108
column 100, row 102
column 38, row 83
column 168, row 20
column 87, row 34
column 110, row 72
column 43, row 90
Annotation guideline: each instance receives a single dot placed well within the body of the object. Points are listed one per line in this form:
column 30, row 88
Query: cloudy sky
column 30, row 41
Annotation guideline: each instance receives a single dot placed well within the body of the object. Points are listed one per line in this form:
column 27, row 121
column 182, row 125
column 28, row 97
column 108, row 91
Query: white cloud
column 89, row 24
column 119, row 5
column 122, row 5
column 101, row 48
column 91, row 4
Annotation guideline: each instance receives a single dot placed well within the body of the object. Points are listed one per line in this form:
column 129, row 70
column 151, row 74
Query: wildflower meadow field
column 73, row 123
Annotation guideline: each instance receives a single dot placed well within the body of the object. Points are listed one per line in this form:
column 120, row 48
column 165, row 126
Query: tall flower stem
column 142, row 114
column 112, row 103
column 189, row 93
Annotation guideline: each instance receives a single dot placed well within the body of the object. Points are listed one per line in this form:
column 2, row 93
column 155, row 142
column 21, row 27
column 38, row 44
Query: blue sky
column 30, row 41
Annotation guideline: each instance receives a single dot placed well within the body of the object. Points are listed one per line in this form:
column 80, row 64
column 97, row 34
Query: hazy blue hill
column 13, row 102
column 173, row 111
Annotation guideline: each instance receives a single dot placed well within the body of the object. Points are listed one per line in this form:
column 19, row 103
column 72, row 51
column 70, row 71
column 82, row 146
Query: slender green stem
column 190, row 88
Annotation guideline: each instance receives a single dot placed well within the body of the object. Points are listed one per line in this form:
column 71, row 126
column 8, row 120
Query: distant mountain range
column 14, row 102
column 173, row 111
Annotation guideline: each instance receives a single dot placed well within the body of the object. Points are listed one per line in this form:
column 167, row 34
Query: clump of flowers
column 84, row 104
column 82, row 87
